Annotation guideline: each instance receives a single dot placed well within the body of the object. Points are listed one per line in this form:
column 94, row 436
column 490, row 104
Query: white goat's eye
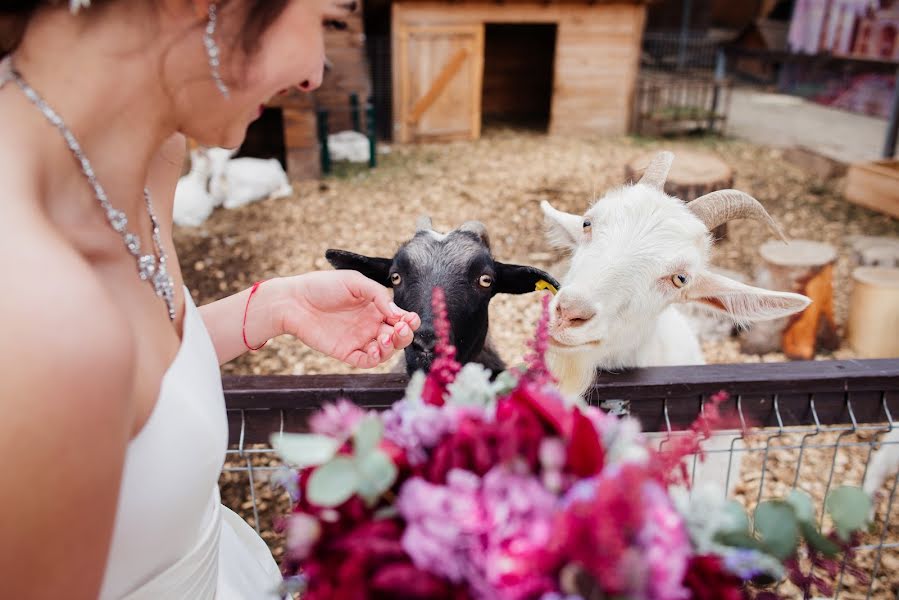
column 395, row 279
column 588, row 224
column 485, row 281
column 680, row 280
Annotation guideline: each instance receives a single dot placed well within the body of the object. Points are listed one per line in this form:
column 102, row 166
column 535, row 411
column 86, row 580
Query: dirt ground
column 500, row 180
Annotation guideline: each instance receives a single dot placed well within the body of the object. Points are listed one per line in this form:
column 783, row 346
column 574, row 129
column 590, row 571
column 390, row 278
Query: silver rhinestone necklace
column 151, row 268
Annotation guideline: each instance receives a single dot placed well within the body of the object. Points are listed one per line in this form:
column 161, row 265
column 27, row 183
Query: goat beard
column 574, row 371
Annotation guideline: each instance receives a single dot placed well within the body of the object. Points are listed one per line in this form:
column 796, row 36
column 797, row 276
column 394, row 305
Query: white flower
column 76, row 5
column 471, row 387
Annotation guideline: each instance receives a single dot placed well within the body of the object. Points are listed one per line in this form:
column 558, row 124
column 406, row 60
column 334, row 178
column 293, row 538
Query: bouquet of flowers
column 472, row 488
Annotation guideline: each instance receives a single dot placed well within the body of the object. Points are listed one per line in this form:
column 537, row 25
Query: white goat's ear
column 563, row 230
column 742, row 302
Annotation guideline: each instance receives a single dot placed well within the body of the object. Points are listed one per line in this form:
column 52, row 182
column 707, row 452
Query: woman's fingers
column 377, row 294
column 402, row 334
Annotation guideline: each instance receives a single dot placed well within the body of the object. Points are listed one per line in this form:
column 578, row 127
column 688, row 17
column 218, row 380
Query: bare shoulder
column 65, row 411
column 58, row 310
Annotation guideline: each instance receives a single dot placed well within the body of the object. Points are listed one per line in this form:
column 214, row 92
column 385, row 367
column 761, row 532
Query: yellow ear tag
column 545, row 285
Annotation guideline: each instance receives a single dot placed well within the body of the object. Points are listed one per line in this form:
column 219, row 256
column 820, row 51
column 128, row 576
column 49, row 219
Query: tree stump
column 872, row 251
column 692, row 175
column 874, row 312
column 803, row 267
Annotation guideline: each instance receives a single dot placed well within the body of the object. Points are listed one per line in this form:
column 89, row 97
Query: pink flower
column 665, row 544
column 441, row 523
column 621, row 528
column 302, row 532
column 445, row 366
column 337, row 420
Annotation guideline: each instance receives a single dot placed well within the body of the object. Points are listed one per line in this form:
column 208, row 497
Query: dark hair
column 14, row 17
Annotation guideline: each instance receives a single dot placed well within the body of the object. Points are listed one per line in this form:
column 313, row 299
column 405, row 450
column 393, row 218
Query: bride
column 112, row 420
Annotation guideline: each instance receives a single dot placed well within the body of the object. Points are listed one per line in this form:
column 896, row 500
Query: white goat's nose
column 573, row 311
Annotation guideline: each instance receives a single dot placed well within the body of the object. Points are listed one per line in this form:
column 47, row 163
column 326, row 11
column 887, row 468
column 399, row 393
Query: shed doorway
column 518, row 75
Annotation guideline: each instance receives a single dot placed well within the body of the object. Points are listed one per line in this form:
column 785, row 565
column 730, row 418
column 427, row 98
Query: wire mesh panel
column 809, row 426
column 679, row 51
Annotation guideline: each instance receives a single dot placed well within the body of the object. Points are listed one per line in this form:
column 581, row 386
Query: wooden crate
column 875, row 185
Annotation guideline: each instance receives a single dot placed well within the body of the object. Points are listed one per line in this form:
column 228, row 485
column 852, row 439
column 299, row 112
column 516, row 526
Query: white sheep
column 238, row 181
column 637, row 254
column 193, row 203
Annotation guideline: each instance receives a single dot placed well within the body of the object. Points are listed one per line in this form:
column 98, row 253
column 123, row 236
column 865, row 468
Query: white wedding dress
column 173, row 539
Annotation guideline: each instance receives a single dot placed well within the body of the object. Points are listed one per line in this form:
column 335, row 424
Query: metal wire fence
column 810, row 426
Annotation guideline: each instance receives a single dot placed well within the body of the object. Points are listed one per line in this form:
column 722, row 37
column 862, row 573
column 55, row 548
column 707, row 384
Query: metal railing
column 808, row 425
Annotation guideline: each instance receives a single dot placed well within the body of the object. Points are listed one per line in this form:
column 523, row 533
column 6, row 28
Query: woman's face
column 290, row 53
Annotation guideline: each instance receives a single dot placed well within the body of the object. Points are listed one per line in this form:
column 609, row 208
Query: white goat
column 239, row 181
column 637, row 253
column 193, row 203
column 884, row 462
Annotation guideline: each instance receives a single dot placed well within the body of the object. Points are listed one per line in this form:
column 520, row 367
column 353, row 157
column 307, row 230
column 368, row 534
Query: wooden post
column 354, row 111
column 692, row 175
column 323, row 141
column 372, row 135
column 874, row 312
column 804, row 267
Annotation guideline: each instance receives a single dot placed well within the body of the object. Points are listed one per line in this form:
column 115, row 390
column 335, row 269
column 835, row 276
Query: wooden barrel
column 873, row 326
column 804, row 267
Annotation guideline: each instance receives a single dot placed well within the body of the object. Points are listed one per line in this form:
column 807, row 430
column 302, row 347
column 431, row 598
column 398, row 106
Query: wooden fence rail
column 852, row 392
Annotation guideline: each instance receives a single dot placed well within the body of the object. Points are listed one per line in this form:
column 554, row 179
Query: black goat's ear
column 521, row 279
column 375, row 268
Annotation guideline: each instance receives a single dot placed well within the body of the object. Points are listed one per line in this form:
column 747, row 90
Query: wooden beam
column 443, row 78
column 795, row 393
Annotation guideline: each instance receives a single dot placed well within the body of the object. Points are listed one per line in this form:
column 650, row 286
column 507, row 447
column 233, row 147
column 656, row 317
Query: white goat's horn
column 477, row 228
column 423, row 224
column 657, row 170
column 717, row 208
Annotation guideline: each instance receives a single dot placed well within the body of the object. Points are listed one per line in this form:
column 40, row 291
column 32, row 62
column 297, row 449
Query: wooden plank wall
column 596, row 60
column 349, row 73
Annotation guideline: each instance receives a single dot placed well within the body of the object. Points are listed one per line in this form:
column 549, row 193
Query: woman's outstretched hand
column 349, row 317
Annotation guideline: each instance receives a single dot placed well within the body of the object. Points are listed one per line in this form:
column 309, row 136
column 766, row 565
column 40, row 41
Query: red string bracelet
column 245, row 310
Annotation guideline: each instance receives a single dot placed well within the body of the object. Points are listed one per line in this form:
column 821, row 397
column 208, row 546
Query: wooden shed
column 568, row 66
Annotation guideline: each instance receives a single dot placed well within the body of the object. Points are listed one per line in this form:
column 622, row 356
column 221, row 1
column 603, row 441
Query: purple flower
column 337, row 420
column 441, row 522
column 417, row 427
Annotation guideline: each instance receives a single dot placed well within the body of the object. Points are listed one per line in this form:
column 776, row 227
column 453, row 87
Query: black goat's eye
column 485, row 281
column 395, row 279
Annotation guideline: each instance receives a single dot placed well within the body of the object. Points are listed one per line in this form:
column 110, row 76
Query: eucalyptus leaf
column 376, row 473
column 738, row 539
column 735, row 518
column 802, row 506
column 778, row 528
column 333, row 483
column 304, row 449
column 368, row 435
column 818, row 541
column 849, row 508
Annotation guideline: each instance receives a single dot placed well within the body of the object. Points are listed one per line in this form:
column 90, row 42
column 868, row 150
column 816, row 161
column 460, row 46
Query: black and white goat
column 461, row 263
